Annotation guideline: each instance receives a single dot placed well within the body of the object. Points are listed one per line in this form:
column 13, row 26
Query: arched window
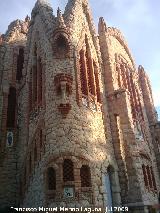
column 149, row 177
column 83, row 77
column 51, row 179
column 20, row 61
column 89, row 79
column 85, row 176
column 158, row 144
column 153, row 178
column 62, row 47
column 68, row 170
column 145, row 175
column 97, row 83
column 89, row 65
column 36, row 81
column 11, row 110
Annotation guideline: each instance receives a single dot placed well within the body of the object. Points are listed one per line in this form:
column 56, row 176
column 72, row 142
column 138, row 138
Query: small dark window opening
column 11, row 111
column 20, row 61
column 89, row 68
column 149, row 177
column 83, row 77
column 68, row 171
column 97, row 83
column 153, row 178
column 85, row 176
column 51, row 178
column 62, row 46
column 145, row 175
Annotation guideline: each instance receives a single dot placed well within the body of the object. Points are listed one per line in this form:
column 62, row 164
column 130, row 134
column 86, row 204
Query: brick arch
column 107, row 163
column 118, row 35
column 76, row 158
column 61, row 45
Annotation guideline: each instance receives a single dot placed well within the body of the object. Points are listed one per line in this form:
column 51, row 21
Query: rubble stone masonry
column 78, row 124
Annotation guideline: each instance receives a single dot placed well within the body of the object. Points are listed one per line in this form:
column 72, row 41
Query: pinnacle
column 60, row 20
column 102, row 25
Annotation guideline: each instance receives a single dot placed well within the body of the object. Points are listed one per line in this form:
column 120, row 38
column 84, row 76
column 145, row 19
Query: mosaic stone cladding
column 78, row 126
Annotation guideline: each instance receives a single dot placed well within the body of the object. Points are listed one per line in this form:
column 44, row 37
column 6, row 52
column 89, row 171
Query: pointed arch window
column 11, row 110
column 83, row 75
column 89, row 65
column 61, row 47
column 153, row 178
column 145, row 175
column 51, row 179
column 20, row 61
column 68, row 170
column 36, row 81
column 98, row 93
column 85, row 176
column 89, row 78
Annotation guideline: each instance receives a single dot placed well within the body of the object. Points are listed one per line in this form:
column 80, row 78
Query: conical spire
column 102, row 27
column 60, row 20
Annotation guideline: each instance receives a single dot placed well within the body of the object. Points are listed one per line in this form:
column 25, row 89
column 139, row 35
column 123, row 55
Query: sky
column 138, row 21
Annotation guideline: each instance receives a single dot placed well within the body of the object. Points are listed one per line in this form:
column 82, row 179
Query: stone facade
column 78, row 125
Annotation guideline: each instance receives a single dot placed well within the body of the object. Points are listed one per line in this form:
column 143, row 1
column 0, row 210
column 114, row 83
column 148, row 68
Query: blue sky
column 137, row 19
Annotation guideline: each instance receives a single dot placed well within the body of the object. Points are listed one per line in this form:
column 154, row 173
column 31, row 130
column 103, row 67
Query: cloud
column 137, row 19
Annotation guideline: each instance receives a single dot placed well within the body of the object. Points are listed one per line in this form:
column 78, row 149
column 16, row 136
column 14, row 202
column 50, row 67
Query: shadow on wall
column 7, row 210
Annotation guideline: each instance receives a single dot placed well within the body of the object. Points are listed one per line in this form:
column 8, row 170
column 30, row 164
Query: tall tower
column 147, row 95
column 129, row 125
column 74, row 115
column 66, row 159
column 12, row 45
column 150, row 111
